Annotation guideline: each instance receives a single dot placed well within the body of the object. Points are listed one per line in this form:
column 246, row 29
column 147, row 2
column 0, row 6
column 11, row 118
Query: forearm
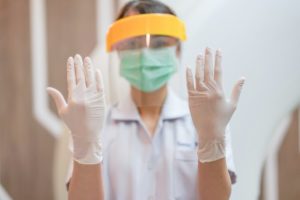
column 211, row 112
column 86, row 182
column 214, row 180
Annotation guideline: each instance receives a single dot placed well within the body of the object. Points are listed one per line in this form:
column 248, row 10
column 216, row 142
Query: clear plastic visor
column 141, row 68
column 145, row 41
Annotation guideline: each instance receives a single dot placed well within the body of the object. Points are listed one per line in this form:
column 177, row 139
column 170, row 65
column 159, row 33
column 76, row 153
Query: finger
column 208, row 73
column 79, row 69
column 198, row 93
column 218, row 69
column 200, row 68
column 70, row 76
column 58, row 98
column 89, row 72
column 99, row 80
column 189, row 79
column 199, row 74
column 237, row 91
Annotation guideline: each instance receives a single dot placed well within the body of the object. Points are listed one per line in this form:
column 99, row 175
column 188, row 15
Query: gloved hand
column 209, row 108
column 85, row 110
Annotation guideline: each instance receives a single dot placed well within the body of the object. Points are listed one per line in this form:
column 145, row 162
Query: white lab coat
column 137, row 166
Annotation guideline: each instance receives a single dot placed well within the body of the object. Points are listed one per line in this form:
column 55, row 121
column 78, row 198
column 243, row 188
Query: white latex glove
column 209, row 108
column 85, row 110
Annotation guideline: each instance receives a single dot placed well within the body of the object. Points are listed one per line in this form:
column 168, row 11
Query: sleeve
column 229, row 156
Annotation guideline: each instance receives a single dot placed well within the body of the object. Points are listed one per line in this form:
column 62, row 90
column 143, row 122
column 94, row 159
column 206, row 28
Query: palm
column 83, row 112
column 209, row 108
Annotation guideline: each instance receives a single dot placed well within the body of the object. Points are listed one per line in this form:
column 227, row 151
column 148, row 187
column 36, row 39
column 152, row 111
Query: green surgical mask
column 148, row 69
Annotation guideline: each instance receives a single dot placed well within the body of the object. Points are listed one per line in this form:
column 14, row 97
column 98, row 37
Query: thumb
column 237, row 89
column 57, row 97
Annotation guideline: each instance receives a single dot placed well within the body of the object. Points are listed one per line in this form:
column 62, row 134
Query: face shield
column 143, row 51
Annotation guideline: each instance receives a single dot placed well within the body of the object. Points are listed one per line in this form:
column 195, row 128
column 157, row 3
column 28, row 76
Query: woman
column 152, row 145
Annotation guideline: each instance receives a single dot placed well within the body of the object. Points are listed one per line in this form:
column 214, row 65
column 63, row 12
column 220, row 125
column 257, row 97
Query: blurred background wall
column 260, row 40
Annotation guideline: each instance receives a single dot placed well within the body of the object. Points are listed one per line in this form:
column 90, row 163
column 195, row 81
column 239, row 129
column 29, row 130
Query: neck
column 149, row 104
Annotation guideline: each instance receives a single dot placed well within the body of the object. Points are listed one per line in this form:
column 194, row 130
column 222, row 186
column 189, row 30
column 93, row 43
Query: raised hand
column 209, row 108
column 84, row 111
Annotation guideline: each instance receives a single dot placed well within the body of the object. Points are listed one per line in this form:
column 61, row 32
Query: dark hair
column 144, row 7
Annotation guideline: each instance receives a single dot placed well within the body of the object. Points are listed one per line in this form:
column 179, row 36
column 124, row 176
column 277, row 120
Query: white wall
column 260, row 40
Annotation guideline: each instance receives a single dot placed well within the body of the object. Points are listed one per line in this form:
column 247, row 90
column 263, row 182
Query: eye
column 158, row 43
column 133, row 44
